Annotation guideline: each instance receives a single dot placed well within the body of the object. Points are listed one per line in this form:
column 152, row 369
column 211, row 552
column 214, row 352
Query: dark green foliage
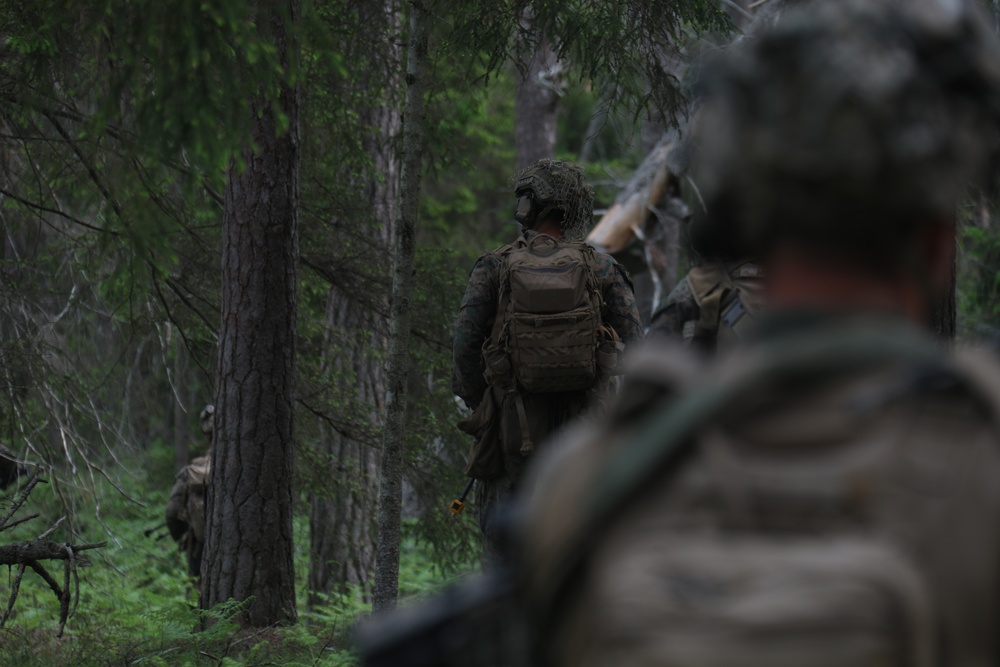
column 166, row 77
column 117, row 121
column 633, row 42
column 978, row 281
column 138, row 607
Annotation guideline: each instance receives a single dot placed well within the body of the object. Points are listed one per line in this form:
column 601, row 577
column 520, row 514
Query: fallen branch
column 25, row 552
column 28, row 554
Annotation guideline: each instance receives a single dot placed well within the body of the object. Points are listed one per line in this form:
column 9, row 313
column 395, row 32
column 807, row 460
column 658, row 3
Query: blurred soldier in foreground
column 539, row 334
column 831, row 494
column 185, row 511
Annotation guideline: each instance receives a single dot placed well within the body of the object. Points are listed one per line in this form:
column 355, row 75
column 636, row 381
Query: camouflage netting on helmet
column 560, row 185
column 848, row 123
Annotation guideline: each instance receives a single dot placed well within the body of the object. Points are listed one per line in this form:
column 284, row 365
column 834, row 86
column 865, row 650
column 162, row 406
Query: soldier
column 713, row 304
column 185, row 511
column 829, row 494
column 580, row 310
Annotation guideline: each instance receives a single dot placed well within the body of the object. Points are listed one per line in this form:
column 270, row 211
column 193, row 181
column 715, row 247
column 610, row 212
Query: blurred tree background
column 119, row 120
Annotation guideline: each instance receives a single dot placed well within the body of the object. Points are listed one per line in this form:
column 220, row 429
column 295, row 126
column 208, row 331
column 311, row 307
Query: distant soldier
column 185, row 511
column 712, row 305
column 539, row 333
column 829, row 494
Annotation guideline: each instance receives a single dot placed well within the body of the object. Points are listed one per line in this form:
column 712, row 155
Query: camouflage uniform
column 840, row 447
column 473, row 327
column 732, row 294
column 185, row 509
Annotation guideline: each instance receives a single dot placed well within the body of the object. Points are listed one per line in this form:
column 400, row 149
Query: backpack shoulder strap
column 503, row 287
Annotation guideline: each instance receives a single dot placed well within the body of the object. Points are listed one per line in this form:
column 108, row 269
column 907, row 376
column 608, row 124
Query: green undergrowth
column 137, row 607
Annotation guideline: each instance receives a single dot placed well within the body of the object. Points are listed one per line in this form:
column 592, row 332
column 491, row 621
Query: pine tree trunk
column 536, row 101
column 342, row 524
column 944, row 316
column 394, row 435
column 180, row 424
column 248, row 550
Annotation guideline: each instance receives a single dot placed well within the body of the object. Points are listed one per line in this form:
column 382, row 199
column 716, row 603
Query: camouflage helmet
column 556, row 185
column 847, row 125
column 206, row 418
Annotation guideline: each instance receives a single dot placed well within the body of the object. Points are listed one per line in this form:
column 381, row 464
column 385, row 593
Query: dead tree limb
column 24, row 552
column 16, row 505
column 645, row 220
column 30, row 554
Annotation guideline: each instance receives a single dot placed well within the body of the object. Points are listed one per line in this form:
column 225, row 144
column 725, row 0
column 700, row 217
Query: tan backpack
column 548, row 336
column 548, row 316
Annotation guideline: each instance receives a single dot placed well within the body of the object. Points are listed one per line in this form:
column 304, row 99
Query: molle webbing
column 548, row 315
column 545, row 334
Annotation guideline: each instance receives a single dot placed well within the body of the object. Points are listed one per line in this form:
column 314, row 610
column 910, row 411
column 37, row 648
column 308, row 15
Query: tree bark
column 944, row 316
column 536, row 100
column 248, row 545
column 642, row 229
column 393, row 439
column 342, row 522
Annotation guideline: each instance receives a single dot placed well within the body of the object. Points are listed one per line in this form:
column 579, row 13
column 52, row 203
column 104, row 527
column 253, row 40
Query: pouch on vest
column 780, row 563
column 722, row 600
column 485, row 457
column 728, row 298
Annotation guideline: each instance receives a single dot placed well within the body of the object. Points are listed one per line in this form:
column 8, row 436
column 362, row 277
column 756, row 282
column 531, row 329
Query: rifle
column 473, row 623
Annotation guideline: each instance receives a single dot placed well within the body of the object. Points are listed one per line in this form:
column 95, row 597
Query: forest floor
column 136, row 606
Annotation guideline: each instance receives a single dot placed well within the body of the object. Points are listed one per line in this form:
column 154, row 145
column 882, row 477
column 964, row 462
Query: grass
column 137, row 607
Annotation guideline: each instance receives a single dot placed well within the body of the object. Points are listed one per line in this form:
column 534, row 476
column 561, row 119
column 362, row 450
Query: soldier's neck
column 800, row 279
column 548, row 228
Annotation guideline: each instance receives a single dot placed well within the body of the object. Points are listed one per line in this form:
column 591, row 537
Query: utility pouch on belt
column 485, row 457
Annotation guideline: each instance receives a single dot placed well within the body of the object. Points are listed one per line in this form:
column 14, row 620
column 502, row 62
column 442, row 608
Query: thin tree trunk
column 943, row 317
column 342, row 522
column 248, row 546
column 536, row 101
column 391, row 473
column 181, row 429
column 342, row 535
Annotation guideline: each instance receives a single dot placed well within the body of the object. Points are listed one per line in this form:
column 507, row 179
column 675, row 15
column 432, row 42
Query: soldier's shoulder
column 490, row 261
column 680, row 293
column 678, row 308
column 609, row 269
